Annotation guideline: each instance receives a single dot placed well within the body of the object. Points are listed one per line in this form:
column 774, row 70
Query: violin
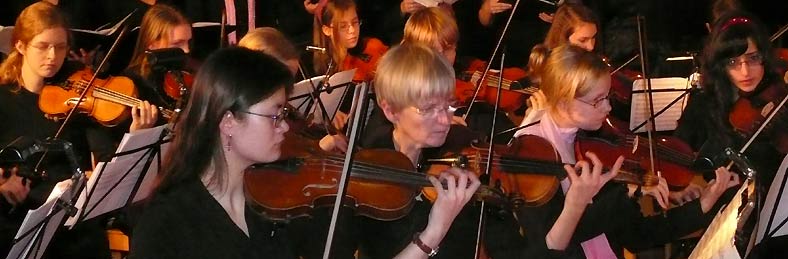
column 514, row 92
column 107, row 101
column 674, row 157
column 750, row 112
column 383, row 183
column 366, row 61
column 527, row 172
column 176, row 83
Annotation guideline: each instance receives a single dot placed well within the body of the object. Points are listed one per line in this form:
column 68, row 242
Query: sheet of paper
column 772, row 201
column 717, row 242
column 32, row 225
column 139, row 138
column 330, row 100
column 5, row 38
column 665, row 90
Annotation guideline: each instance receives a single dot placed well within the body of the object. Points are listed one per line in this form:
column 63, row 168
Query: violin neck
column 120, row 98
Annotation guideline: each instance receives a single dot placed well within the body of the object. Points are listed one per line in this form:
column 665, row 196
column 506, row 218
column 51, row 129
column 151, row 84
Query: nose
column 185, row 49
column 444, row 119
column 606, row 106
column 588, row 46
column 51, row 52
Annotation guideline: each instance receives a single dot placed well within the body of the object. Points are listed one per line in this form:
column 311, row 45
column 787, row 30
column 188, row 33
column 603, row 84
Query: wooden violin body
column 366, row 61
column 749, row 113
column 527, row 172
column 107, row 101
column 513, row 92
column 674, row 157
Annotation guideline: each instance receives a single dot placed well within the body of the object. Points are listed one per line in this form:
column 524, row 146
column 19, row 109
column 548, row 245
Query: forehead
column 584, row 29
column 347, row 15
column 182, row 31
column 51, row 35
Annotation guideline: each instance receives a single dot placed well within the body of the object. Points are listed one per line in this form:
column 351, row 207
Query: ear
column 20, row 47
column 327, row 30
column 391, row 114
column 227, row 124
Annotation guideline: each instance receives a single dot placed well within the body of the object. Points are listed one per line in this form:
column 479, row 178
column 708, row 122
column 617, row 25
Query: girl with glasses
column 578, row 221
column 738, row 65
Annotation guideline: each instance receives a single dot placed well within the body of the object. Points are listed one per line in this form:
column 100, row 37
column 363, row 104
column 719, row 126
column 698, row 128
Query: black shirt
column 187, row 222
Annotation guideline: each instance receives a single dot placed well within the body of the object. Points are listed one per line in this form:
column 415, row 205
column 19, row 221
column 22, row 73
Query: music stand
column 666, row 92
column 306, row 93
column 773, row 217
column 126, row 178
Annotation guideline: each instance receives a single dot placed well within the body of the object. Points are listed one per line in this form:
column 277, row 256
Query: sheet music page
column 147, row 182
column 781, row 203
column 717, row 242
column 34, row 217
column 108, row 31
column 116, row 195
column 139, row 138
column 665, row 91
column 330, row 100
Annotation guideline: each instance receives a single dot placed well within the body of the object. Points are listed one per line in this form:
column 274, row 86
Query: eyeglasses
column 344, row 26
column 44, row 47
column 278, row 118
column 752, row 60
column 597, row 104
column 434, row 111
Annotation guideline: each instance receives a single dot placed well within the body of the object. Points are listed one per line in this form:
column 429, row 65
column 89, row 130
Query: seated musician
column 413, row 88
column 41, row 41
column 239, row 115
column 739, row 64
column 162, row 27
column 576, row 222
column 337, row 29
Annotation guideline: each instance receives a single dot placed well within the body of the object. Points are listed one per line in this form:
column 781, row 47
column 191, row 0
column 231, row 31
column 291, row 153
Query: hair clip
column 735, row 21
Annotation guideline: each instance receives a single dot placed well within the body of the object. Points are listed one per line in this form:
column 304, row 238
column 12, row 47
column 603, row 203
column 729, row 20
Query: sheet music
column 717, row 242
column 108, row 31
column 139, row 138
column 665, row 91
column 146, row 187
column 112, row 183
column 33, row 218
column 330, row 100
column 781, row 212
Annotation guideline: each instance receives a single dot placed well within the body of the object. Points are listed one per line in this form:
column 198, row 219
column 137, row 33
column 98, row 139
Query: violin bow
column 641, row 22
column 346, row 167
column 489, row 62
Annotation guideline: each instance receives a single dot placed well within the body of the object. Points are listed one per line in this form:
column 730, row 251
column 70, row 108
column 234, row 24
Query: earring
column 229, row 140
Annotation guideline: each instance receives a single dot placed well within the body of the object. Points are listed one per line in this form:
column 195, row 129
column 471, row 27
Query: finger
column 436, row 184
column 614, row 170
column 597, row 169
column 135, row 113
column 451, row 183
column 571, row 173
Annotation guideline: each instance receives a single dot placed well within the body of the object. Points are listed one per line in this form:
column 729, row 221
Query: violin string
column 667, row 152
column 120, row 97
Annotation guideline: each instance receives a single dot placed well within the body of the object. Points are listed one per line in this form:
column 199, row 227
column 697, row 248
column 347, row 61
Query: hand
column 310, row 7
column 14, row 188
column 587, row 184
column 494, row 6
column 547, row 17
column 409, row 6
column 724, row 180
column 458, row 120
column 334, row 142
column 689, row 193
column 84, row 57
column 340, row 119
column 460, row 188
column 143, row 116
column 537, row 101
column 660, row 192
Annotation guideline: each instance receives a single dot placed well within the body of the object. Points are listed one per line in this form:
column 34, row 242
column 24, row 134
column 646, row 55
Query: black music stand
column 774, row 215
column 127, row 178
column 320, row 97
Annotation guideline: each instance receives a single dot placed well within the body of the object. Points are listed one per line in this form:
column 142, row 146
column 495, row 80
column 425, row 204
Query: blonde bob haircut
column 570, row 72
column 411, row 73
column 269, row 41
column 432, row 26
